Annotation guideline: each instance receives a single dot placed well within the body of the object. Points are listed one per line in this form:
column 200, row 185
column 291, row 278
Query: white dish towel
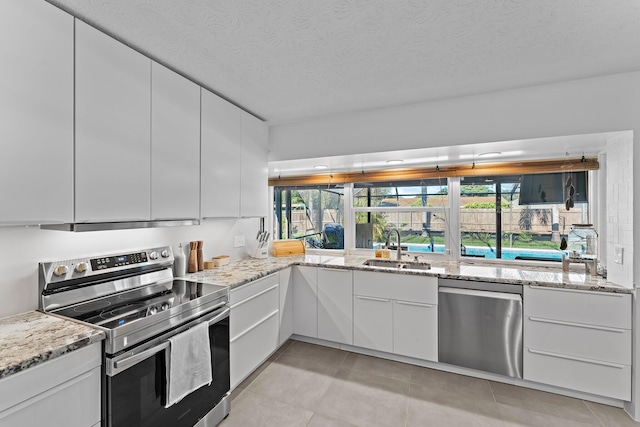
column 188, row 363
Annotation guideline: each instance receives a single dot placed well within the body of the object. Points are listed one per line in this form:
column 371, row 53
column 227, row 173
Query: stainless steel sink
column 400, row 265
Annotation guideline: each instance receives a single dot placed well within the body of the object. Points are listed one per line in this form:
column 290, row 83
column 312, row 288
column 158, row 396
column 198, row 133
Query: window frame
column 451, row 213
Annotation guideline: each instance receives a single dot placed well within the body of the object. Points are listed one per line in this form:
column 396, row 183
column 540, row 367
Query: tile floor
column 308, row 385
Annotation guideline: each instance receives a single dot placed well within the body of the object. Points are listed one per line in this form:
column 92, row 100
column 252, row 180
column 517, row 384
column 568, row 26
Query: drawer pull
column 577, row 291
column 372, row 299
column 255, row 296
column 577, row 359
column 416, row 304
column 577, row 325
column 252, row 327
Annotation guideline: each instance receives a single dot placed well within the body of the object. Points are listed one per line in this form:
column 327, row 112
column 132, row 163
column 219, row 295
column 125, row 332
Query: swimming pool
column 486, row 252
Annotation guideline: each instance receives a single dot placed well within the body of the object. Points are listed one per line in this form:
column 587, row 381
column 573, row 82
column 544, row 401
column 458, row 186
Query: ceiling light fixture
column 490, row 154
column 321, row 167
column 395, row 162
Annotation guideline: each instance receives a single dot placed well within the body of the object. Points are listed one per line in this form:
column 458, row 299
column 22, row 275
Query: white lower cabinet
column 254, row 325
column 286, row 304
column 335, row 305
column 396, row 313
column 61, row 392
column 305, row 301
column 579, row 340
column 415, row 330
column 372, row 323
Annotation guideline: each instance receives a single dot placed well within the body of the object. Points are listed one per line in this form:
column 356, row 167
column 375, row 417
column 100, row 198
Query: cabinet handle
column 577, row 291
column 255, row 296
column 578, row 359
column 577, row 325
column 417, row 304
column 373, row 299
column 252, row 327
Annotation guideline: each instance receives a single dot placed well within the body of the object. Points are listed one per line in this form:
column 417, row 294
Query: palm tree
column 528, row 215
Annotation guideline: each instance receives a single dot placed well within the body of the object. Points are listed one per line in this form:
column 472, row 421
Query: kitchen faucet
column 399, row 251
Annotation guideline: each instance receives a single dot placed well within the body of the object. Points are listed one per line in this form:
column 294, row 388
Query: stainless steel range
column 134, row 298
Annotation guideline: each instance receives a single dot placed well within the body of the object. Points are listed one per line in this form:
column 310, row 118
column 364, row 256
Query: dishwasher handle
column 481, row 294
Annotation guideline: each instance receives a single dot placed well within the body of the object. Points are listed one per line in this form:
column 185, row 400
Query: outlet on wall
column 238, row 241
column 617, row 254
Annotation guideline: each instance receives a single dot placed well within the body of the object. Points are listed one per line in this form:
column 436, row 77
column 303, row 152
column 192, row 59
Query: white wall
column 22, row 248
column 619, row 207
column 602, row 104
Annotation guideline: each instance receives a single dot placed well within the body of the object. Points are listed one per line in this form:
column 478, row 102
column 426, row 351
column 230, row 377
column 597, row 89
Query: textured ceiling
column 290, row 59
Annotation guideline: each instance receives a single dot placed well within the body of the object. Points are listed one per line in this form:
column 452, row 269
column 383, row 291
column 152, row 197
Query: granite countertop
column 240, row 272
column 32, row 338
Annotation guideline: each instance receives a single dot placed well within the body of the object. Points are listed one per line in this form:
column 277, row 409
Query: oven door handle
column 132, row 360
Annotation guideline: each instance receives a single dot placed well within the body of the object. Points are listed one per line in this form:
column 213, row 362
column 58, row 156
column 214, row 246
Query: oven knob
column 165, row 254
column 81, row 267
column 153, row 310
column 153, row 255
column 164, row 306
column 61, row 270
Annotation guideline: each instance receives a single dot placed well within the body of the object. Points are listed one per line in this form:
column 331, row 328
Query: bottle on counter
column 379, row 252
column 180, row 262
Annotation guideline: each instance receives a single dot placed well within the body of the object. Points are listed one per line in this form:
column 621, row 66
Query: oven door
column 136, row 380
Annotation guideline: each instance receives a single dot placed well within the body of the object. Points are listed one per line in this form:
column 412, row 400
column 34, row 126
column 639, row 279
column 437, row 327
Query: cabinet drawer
column 592, row 308
column 600, row 378
column 252, row 310
column 396, row 286
column 245, row 291
column 249, row 350
column 591, row 342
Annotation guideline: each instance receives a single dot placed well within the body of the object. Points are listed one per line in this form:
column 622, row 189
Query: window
column 314, row 214
column 416, row 208
column 521, row 217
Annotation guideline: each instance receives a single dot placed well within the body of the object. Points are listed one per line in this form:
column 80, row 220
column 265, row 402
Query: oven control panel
column 55, row 273
column 118, row 260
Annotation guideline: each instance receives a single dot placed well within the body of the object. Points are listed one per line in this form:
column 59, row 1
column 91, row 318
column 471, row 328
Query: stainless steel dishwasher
column 480, row 326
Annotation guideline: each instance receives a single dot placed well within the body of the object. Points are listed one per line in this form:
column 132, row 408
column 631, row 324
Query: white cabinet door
column 220, row 157
column 372, row 323
column 286, row 304
column 335, row 305
column 415, row 330
column 113, row 129
column 254, row 183
column 36, row 110
column 175, row 145
column 305, row 301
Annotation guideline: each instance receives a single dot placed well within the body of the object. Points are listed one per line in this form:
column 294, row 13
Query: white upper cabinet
column 255, row 140
column 113, row 129
column 220, row 157
column 36, row 112
column 175, row 145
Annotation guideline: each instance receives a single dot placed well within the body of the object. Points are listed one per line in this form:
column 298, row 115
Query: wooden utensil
column 193, row 257
column 200, row 257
